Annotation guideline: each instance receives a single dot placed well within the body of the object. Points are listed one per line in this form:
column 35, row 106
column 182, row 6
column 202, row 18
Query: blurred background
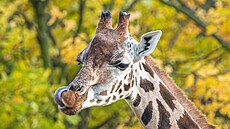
column 40, row 39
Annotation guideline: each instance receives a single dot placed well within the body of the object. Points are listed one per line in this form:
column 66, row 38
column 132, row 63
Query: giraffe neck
column 154, row 104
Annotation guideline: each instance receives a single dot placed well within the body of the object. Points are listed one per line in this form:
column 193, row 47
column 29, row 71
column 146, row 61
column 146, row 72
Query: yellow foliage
column 168, row 69
column 189, row 80
column 226, row 109
column 184, row 51
column 211, row 29
column 56, row 14
column 70, row 24
column 208, row 70
column 17, row 99
column 135, row 15
column 70, row 50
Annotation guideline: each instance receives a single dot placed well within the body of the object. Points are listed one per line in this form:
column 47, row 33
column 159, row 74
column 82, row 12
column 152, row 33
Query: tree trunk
column 41, row 28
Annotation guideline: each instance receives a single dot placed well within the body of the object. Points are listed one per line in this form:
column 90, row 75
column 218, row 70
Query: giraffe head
column 107, row 73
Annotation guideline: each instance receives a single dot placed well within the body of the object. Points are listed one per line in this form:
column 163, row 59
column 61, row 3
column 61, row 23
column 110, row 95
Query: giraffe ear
column 148, row 43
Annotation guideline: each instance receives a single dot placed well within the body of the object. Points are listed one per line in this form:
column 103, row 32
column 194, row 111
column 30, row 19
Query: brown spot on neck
column 125, row 76
column 137, row 100
column 147, row 114
column 113, row 87
column 92, row 100
column 135, row 80
column 127, row 87
column 164, row 122
column 121, row 96
column 148, row 69
column 120, row 91
column 132, row 83
column 107, row 100
column 140, row 66
column 185, row 122
column 146, row 85
column 114, row 97
column 98, row 101
column 119, row 85
column 130, row 76
column 167, row 96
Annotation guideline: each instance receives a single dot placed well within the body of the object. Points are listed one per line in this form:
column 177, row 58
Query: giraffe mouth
column 69, row 101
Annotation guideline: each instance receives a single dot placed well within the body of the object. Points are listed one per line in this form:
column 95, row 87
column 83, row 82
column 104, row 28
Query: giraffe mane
column 180, row 96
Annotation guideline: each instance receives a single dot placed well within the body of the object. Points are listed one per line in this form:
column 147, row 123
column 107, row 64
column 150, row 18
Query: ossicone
column 105, row 21
column 123, row 22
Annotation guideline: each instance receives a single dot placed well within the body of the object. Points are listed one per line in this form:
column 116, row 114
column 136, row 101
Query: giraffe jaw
column 69, row 101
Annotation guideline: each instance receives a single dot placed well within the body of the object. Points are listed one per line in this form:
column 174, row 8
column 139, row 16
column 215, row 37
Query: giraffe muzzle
column 68, row 101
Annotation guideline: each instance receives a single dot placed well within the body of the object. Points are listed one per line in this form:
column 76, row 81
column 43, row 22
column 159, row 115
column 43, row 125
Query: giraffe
column 115, row 66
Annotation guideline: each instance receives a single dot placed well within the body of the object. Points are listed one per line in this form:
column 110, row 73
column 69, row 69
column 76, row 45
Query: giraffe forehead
column 105, row 47
column 101, row 50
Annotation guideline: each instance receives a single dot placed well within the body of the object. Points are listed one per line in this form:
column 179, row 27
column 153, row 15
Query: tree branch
column 223, row 42
column 83, row 124
column 28, row 23
column 208, row 4
column 130, row 7
column 201, row 57
column 111, row 119
column 80, row 19
column 41, row 27
column 187, row 11
column 103, row 123
column 177, row 32
column 109, row 5
column 181, row 7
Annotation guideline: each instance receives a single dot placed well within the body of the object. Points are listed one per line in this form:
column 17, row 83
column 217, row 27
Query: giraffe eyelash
column 122, row 66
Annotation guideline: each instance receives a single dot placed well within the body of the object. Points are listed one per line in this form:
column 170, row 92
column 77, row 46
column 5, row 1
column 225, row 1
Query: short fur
column 180, row 96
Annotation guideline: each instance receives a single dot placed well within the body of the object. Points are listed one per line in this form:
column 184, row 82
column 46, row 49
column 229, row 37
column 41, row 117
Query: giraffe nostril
column 73, row 88
column 77, row 89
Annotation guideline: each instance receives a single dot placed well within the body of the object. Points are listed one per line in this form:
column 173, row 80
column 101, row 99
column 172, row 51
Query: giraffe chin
column 69, row 101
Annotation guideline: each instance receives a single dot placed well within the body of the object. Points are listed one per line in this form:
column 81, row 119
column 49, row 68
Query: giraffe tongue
column 69, row 98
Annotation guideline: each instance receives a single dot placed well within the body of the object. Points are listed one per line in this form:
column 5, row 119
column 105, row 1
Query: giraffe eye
column 122, row 66
column 79, row 61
